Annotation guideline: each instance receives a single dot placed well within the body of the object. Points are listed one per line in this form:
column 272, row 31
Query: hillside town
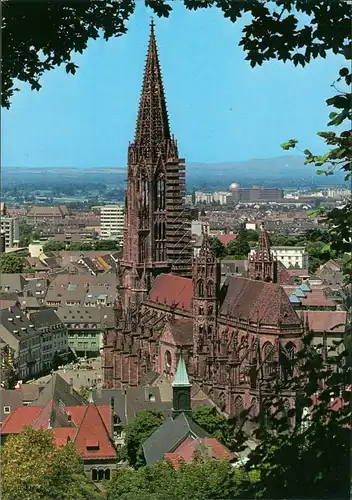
column 157, row 331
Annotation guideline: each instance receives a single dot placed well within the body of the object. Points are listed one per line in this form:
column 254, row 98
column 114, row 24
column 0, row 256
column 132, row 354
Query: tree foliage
column 219, row 248
column 203, row 480
column 33, row 469
column 214, row 423
column 296, row 440
column 145, row 423
column 12, row 263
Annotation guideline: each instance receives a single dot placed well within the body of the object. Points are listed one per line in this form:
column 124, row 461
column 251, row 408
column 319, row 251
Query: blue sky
column 220, row 108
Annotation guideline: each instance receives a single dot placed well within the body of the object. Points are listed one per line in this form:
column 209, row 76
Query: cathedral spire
column 152, row 129
column 262, row 265
column 263, row 249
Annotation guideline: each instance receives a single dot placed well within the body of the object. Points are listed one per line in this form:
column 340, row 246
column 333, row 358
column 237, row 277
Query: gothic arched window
column 210, row 289
column 268, row 358
column 200, row 288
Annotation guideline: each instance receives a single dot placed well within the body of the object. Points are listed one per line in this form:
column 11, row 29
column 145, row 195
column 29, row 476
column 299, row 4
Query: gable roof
column 57, row 389
column 172, row 291
column 210, row 447
column 226, row 238
column 325, row 321
column 89, row 427
column 170, row 435
column 257, row 301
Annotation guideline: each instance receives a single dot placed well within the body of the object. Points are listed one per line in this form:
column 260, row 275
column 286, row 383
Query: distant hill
column 282, row 171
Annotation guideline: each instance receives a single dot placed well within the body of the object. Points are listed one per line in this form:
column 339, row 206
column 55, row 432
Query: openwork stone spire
column 152, row 131
column 263, row 249
column 262, row 265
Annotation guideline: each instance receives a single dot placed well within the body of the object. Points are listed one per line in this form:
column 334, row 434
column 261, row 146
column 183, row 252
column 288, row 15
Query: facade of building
column 233, row 335
column 290, row 257
column 10, row 228
column 112, row 222
column 257, row 194
column 34, row 340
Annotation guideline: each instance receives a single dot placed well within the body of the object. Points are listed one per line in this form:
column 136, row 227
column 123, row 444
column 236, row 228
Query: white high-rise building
column 112, row 221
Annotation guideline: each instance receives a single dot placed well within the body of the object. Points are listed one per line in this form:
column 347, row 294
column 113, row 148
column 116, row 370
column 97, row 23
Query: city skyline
column 60, row 125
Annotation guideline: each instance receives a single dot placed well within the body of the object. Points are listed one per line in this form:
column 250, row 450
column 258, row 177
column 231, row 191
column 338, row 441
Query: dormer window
column 92, row 444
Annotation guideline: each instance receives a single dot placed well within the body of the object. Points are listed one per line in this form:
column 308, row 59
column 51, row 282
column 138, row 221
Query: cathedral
column 235, row 337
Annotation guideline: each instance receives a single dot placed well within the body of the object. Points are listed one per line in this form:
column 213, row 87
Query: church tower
column 157, row 224
column 181, row 389
column 206, row 286
column 262, row 265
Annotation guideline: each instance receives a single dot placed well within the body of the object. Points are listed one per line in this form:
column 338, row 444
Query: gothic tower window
column 210, row 289
column 200, row 288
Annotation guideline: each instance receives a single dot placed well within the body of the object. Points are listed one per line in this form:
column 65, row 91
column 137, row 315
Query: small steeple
column 152, row 129
column 263, row 249
column 181, row 389
column 181, row 377
column 262, row 265
column 90, row 399
column 206, row 251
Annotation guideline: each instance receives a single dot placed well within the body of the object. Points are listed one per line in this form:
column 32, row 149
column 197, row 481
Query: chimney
column 2, row 243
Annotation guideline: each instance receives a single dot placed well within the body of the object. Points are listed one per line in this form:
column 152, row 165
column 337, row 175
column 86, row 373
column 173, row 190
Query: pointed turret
column 181, row 389
column 152, row 131
column 206, row 251
column 263, row 248
column 262, row 265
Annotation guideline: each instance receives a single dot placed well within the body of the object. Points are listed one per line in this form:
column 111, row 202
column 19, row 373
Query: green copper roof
column 90, row 399
column 181, row 377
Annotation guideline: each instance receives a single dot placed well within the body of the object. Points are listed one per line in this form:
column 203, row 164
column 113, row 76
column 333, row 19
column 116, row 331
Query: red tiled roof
column 258, row 301
column 226, row 238
column 325, row 321
column 89, row 424
column 172, row 290
column 19, row 418
column 185, row 451
column 93, row 428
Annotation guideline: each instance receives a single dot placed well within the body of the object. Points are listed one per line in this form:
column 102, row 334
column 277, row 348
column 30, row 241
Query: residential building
column 19, row 333
column 10, row 228
column 257, row 194
column 290, row 257
column 34, row 339
column 85, row 328
column 112, row 222
column 54, row 336
column 89, row 427
column 41, row 214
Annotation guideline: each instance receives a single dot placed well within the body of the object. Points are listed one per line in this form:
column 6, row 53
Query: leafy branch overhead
column 274, row 31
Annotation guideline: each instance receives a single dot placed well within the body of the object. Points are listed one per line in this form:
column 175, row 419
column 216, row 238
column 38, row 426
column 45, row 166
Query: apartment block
column 112, row 220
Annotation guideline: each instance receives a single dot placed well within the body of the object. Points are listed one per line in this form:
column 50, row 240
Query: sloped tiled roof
column 172, row 290
column 325, row 321
column 86, row 426
column 257, row 301
column 58, row 389
column 169, row 435
column 210, row 447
